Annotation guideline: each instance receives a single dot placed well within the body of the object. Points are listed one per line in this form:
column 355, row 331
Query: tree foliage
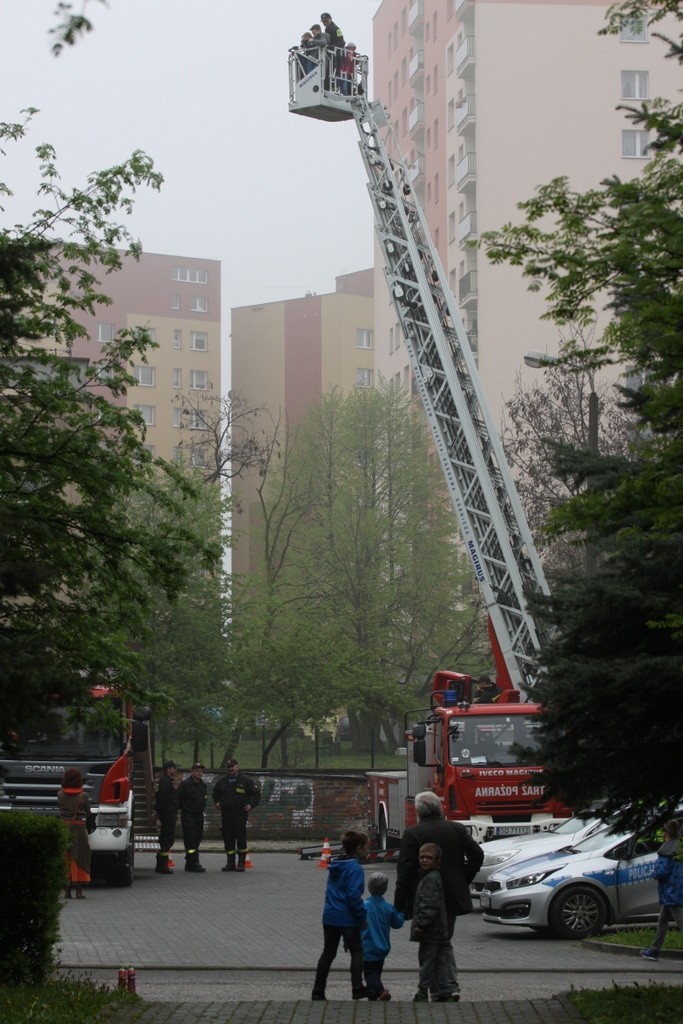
column 76, row 572
column 613, row 678
column 362, row 592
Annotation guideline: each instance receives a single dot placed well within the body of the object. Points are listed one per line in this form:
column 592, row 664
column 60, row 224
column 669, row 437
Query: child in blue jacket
column 669, row 874
column 381, row 917
column 344, row 914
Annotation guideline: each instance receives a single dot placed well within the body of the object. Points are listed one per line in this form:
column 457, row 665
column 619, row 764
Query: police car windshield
column 493, row 739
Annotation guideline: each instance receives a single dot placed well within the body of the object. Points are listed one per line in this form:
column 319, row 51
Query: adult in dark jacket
column 192, row 800
column 668, row 871
column 461, row 859
column 335, row 46
column 235, row 795
column 166, row 809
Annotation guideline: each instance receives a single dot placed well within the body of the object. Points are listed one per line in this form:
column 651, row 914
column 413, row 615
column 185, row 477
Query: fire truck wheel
column 122, row 872
column 577, row 912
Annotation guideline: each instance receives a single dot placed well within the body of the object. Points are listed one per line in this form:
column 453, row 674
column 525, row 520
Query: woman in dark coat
column 74, row 806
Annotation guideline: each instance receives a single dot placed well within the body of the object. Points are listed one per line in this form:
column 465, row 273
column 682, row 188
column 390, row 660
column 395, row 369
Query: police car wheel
column 577, row 912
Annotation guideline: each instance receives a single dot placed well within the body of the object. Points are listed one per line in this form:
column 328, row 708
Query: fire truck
column 33, row 760
column 464, row 751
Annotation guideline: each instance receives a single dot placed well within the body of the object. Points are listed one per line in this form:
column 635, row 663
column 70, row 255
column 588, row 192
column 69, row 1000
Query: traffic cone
column 171, row 862
column 247, row 862
column 325, row 855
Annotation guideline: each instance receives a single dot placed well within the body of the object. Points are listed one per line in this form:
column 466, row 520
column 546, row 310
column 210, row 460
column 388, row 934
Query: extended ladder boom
column 484, row 496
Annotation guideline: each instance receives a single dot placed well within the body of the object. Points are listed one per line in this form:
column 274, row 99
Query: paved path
column 205, row 944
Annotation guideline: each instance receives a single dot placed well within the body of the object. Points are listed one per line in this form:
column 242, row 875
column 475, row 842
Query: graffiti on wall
column 291, row 794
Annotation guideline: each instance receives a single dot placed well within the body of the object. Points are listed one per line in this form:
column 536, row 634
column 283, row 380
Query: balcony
column 466, row 171
column 467, row 228
column 464, row 55
column 467, row 289
column 417, row 65
column 416, row 120
column 465, row 112
column 416, row 15
column 416, row 171
column 460, row 6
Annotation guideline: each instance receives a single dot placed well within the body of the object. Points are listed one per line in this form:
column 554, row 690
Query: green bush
column 32, row 869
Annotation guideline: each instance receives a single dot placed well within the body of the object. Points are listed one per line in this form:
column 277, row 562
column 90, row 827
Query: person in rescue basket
column 381, row 918
column 344, row 914
column 235, row 795
column 74, row 807
column 166, row 808
column 668, row 870
column 192, row 801
column 335, row 46
column 462, row 858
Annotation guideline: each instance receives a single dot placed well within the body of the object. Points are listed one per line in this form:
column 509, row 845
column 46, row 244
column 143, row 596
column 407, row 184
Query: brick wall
column 301, row 805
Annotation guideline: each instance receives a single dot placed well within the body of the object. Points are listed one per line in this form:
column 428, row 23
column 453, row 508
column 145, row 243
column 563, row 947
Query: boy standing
column 430, row 929
column 344, row 914
column 381, row 917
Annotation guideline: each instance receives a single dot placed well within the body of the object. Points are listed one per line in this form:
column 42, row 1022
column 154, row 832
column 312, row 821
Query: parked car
column 576, row 891
column 566, row 832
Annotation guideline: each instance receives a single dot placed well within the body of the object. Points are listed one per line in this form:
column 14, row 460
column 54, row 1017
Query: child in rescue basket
column 382, row 917
column 430, row 928
column 344, row 914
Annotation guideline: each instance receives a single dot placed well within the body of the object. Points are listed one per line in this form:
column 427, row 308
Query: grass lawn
column 640, row 938
column 637, row 1004
column 58, row 1002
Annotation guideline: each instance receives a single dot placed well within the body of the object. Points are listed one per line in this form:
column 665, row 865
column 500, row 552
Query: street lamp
column 541, row 360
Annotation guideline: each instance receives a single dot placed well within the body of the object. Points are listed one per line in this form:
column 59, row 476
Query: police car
column 566, row 832
column 576, row 891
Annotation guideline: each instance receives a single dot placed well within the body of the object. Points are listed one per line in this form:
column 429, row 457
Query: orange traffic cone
column 325, row 855
column 247, row 863
column 171, row 862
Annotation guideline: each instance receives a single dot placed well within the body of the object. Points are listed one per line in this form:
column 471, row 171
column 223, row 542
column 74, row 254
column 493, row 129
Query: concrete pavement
column 222, row 947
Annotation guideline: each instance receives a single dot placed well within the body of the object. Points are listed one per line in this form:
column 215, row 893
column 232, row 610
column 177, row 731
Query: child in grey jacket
column 430, row 928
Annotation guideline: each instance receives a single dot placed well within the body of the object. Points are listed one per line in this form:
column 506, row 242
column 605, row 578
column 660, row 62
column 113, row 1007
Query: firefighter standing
column 192, row 801
column 235, row 795
column 166, row 808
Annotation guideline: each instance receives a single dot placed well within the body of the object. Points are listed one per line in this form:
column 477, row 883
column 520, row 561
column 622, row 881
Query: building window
column 175, row 302
column 635, row 85
column 198, row 458
column 436, row 77
column 177, row 377
column 105, row 332
column 145, row 376
column 436, row 133
column 363, row 377
column 451, row 114
column 195, row 420
column 634, row 31
column 147, row 413
column 199, row 304
column 364, row 337
column 634, row 144
column 436, row 188
column 451, row 227
column 149, row 448
column 451, row 170
column 450, row 59
column 177, row 416
column 192, row 275
column 200, row 341
column 199, row 380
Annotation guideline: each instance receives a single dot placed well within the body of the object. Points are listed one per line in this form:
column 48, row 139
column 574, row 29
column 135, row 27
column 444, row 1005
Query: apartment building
column 178, row 300
column 286, row 355
column 488, row 100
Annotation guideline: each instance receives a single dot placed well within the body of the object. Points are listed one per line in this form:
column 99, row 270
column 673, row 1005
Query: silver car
column 566, row 832
column 576, row 891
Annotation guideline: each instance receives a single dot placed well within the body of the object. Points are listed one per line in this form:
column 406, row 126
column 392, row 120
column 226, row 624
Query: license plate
column 512, row 830
column 485, row 900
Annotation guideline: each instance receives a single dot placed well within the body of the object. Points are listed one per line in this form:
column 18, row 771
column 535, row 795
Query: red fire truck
column 466, row 752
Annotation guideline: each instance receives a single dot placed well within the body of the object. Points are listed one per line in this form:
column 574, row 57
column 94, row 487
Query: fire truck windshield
column 88, row 734
column 494, row 739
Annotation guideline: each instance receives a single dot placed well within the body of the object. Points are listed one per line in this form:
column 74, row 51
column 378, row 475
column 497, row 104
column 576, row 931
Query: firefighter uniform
column 235, row 794
column 166, row 807
column 192, row 799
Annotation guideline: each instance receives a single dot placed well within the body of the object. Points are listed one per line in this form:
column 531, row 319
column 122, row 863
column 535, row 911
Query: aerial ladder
column 492, row 522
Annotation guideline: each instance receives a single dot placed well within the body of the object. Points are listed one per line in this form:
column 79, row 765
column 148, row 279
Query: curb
column 613, row 947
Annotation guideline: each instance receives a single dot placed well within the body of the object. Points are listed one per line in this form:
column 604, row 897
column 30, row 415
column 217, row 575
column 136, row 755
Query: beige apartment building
column 490, row 99
column 178, row 300
column 286, row 355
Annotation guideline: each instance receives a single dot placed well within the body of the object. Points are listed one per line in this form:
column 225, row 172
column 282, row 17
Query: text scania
column 509, row 791
column 47, row 769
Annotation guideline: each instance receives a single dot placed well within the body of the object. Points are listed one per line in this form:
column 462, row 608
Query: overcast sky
column 201, row 86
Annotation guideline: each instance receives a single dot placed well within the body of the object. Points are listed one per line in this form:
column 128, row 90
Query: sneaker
column 318, row 997
column 449, row 997
column 649, row 954
column 385, row 996
column 420, row 997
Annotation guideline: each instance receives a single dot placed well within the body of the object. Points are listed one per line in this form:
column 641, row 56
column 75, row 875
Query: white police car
column 576, row 891
column 565, row 832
